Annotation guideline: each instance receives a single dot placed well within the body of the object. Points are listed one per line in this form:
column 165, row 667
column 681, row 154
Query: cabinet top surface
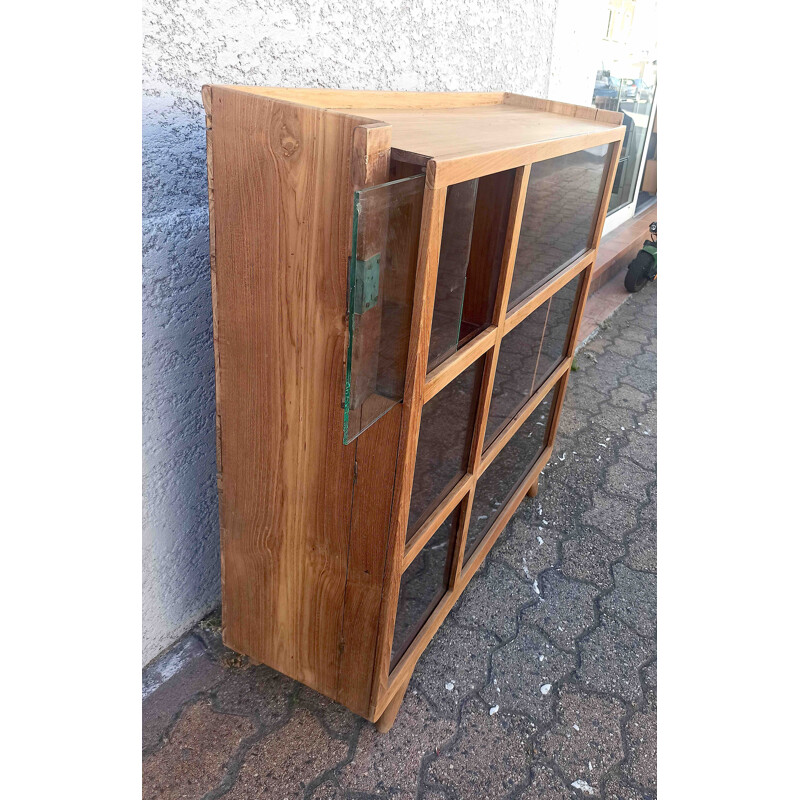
column 453, row 125
column 459, row 132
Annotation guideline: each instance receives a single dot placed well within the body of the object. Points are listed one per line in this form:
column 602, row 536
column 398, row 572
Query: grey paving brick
column 256, row 691
column 490, row 757
column 611, row 516
column 524, row 672
column 632, row 600
column 285, row 762
column 641, row 736
column 629, row 480
column 192, row 760
column 545, row 785
column 387, row 765
column 587, row 740
column 478, row 607
column 526, row 545
column 627, row 396
column 611, row 656
column 454, row 664
column 588, row 557
column 566, row 609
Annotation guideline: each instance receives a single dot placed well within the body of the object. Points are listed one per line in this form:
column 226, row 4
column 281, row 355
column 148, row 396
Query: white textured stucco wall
column 470, row 45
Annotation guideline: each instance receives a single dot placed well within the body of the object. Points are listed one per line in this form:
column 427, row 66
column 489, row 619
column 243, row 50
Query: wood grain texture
column 282, row 191
column 376, row 457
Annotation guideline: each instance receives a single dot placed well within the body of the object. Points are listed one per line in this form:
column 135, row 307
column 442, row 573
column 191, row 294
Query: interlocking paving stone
column 588, row 557
column 627, row 396
column 588, row 733
column 617, row 789
column 641, row 449
column 328, row 791
column 457, row 658
column 519, row 545
column 193, row 758
column 597, row 520
column 490, row 756
column 566, row 609
column 199, row 673
column 641, row 734
column 642, row 379
column 386, row 765
column 601, row 380
column 479, row 606
column 649, row 675
column 611, row 516
column 545, row 785
column 520, row 670
column 335, row 718
column 615, row 419
column 256, row 691
column 584, row 397
column 625, row 347
column 573, row 420
column 283, row 763
column 610, row 659
column 613, row 365
column 629, row 480
column 633, row 333
column 632, row 600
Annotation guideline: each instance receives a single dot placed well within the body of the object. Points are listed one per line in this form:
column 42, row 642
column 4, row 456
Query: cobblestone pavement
column 541, row 684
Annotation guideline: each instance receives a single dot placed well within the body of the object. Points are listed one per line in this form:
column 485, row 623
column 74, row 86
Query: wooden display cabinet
column 398, row 281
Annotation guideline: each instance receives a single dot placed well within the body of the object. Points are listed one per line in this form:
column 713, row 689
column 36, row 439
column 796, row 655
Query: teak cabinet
column 398, row 280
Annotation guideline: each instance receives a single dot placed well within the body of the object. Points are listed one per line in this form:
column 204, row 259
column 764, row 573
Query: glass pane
column 386, row 223
column 459, row 214
column 556, row 330
column 423, row 584
column 492, row 209
column 516, row 368
column 503, row 475
column 557, row 220
column 445, row 436
column 626, row 81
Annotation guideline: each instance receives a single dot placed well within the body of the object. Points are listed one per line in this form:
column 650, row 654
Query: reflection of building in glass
column 557, row 221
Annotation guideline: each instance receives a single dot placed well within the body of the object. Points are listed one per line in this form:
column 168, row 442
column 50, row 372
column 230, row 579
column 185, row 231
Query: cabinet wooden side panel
column 281, row 200
column 376, row 457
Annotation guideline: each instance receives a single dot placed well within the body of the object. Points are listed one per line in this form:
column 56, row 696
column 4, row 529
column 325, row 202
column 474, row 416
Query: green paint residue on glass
column 386, row 207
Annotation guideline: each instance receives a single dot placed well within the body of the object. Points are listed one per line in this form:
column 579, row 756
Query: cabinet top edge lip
column 349, row 101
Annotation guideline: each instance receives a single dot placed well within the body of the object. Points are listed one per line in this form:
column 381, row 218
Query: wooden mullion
column 419, row 341
column 519, row 418
column 501, row 304
column 524, row 309
column 438, row 378
column 435, row 520
column 461, row 535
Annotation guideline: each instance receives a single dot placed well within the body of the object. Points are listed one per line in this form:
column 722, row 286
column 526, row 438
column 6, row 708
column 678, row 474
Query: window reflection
column 626, row 82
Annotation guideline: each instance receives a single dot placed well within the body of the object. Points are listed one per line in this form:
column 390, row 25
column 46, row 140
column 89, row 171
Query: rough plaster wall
column 472, row 45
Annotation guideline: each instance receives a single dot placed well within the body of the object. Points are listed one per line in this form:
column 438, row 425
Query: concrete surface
column 361, row 44
column 540, row 685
